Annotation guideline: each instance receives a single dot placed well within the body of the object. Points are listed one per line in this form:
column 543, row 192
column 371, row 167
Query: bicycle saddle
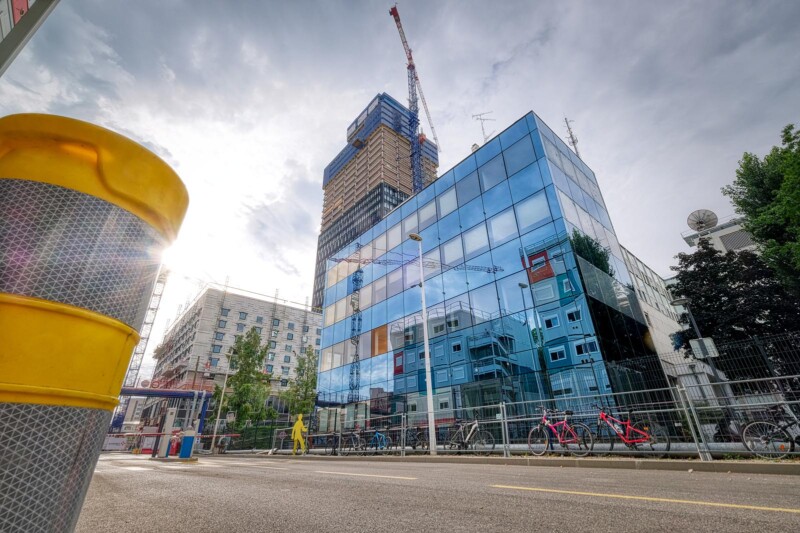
column 569, row 413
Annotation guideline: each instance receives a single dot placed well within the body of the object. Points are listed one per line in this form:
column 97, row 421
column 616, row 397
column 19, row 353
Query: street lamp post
column 522, row 287
column 428, row 382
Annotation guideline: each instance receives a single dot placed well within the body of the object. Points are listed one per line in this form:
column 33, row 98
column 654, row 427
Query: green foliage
column 250, row 384
column 302, row 392
column 734, row 295
column 767, row 192
column 591, row 250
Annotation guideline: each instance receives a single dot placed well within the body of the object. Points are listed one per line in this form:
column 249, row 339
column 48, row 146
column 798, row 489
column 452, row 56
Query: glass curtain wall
column 513, row 313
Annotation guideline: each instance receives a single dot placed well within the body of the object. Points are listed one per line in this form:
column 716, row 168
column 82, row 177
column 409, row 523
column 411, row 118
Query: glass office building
column 514, row 313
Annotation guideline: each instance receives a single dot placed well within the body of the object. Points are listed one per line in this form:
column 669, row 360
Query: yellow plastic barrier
column 84, row 216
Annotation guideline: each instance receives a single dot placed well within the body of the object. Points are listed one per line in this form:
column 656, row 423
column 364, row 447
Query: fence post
column 504, row 428
column 703, row 450
column 403, row 430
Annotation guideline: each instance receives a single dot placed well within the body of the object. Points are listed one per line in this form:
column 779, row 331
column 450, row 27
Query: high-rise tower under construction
column 368, row 178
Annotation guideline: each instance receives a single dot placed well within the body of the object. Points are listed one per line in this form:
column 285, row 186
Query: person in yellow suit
column 297, row 435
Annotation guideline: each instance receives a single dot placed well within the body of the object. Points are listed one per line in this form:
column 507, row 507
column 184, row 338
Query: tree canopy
column 735, row 295
column 302, row 392
column 250, row 384
column 767, row 192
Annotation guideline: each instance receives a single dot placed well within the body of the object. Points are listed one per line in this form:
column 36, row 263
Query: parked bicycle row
column 655, row 423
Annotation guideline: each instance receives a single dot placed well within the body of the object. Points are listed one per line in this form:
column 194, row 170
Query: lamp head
column 414, row 237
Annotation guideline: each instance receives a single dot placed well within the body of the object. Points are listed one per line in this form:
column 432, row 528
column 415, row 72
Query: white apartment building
column 193, row 353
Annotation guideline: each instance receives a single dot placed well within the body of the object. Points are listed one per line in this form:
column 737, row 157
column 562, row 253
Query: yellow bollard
column 84, row 216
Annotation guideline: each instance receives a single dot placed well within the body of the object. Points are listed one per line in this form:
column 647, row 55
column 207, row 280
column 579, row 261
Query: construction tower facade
column 368, row 178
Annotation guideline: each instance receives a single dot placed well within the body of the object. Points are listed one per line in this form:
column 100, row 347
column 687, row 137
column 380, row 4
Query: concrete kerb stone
column 723, row 467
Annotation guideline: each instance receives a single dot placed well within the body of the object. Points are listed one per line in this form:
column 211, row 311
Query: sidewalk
column 791, row 468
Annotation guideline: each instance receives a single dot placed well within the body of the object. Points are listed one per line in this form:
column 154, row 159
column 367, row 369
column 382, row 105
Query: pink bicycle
column 574, row 438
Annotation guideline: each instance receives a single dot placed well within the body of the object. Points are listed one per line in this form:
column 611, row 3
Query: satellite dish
column 145, row 383
column 702, row 219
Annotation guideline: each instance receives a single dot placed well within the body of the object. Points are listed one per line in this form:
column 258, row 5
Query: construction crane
column 414, row 86
column 355, row 299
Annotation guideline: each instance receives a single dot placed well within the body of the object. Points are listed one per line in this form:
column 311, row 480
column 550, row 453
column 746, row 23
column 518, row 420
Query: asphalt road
column 254, row 494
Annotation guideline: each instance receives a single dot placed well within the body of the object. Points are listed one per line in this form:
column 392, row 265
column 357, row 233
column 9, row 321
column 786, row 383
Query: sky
column 249, row 101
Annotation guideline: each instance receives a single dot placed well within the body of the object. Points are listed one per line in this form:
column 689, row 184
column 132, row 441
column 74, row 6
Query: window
column 551, row 322
column 316, row 352
column 214, row 361
column 452, row 323
column 274, row 333
column 447, row 202
column 412, row 408
column 421, row 355
column 557, row 354
column 272, row 344
column 304, row 338
column 287, row 358
column 258, row 330
column 444, row 404
column 543, row 292
column 287, row 347
column 317, row 342
column 224, row 312
column 222, row 323
column 290, row 336
column 271, row 356
column 284, row 383
column 276, row 322
column 259, row 320
column 456, row 347
column 290, row 325
column 239, row 326
column 242, row 315
column 532, row 212
column 566, row 285
column 647, row 319
column 305, row 329
column 502, row 227
column 269, row 369
column 285, row 370
column 216, row 348
column 438, row 328
column 586, row 347
column 319, row 331
column 219, row 336
column 574, row 315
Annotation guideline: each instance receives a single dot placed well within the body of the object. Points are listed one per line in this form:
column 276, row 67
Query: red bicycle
column 641, row 435
column 575, row 438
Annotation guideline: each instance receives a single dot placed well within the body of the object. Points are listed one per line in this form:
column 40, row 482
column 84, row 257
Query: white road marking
column 362, row 475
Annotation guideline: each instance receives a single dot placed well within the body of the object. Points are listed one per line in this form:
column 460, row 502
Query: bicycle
column 469, row 436
column 331, row 444
column 770, row 439
column 635, row 435
column 354, row 444
column 575, row 438
column 417, row 438
column 379, row 442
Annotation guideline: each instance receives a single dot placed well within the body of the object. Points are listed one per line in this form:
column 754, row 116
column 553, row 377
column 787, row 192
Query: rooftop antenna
column 702, row 219
column 573, row 141
column 482, row 119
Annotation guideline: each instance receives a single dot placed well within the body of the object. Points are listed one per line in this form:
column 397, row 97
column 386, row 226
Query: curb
column 722, row 467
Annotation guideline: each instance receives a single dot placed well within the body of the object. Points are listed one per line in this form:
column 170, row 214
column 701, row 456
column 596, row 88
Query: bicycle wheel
column 767, row 440
column 658, row 444
column 456, row 442
column 362, row 446
column 579, row 441
column 539, row 440
column 483, row 443
column 388, row 445
column 329, row 446
column 422, row 441
column 352, row 446
column 604, row 438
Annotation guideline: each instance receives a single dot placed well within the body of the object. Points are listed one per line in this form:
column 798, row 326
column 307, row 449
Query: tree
column 767, row 192
column 250, row 384
column 735, row 295
column 591, row 250
column 302, row 392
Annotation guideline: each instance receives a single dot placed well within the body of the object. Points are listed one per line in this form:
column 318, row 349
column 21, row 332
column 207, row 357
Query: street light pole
column 522, row 287
column 428, row 382
column 685, row 302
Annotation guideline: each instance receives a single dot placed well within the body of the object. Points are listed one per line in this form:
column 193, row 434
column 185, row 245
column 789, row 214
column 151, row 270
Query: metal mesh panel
column 65, row 246
column 47, row 456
